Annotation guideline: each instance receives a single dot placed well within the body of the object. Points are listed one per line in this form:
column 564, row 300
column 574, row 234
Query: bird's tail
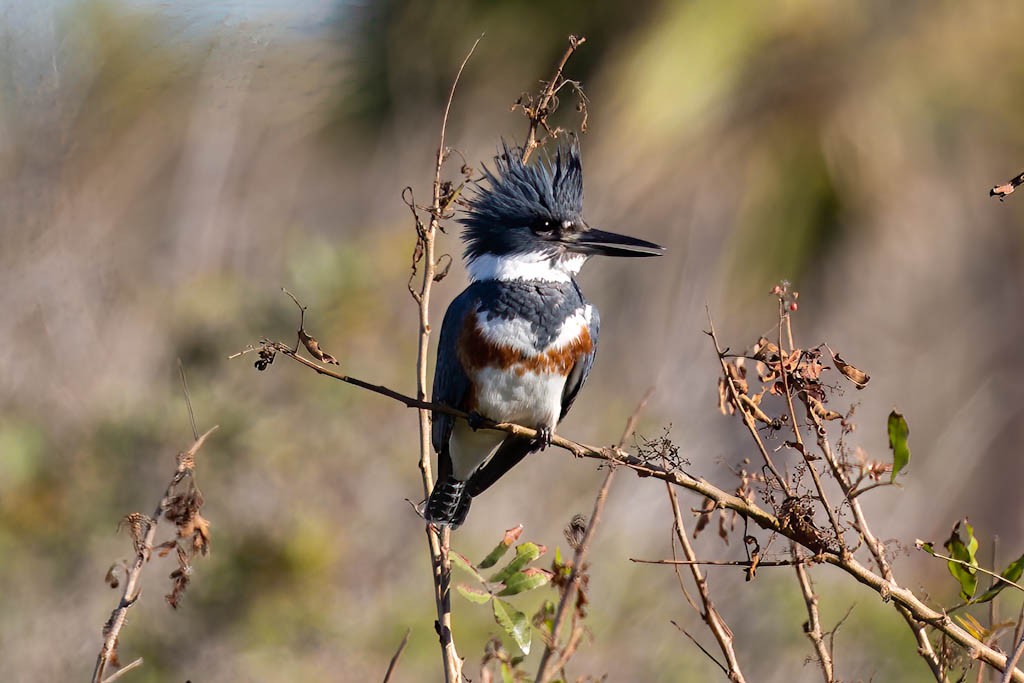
column 448, row 504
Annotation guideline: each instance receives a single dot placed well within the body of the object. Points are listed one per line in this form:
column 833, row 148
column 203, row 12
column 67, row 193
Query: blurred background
column 166, row 167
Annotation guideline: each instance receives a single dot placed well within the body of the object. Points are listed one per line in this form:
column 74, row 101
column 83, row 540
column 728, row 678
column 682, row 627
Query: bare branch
column 438, row 541
column 396, row 656
column 813, row 626
column 716, row 624
column 545, row 670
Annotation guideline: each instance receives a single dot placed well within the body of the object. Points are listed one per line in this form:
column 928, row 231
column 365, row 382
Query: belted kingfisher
column 518, row 343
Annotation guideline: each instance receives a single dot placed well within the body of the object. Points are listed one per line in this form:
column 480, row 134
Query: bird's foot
column 543, row 440
column 475, row 420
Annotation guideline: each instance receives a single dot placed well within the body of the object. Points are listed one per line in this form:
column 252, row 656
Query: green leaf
column 525, row 554
column 460, row 561
column 899, row 430
column 511, row 536
column 526, row 580
column 1012, row 572
column 958, row 549
column 514, row 622
column 476, row 595
column 506, row 673
column 925, row 546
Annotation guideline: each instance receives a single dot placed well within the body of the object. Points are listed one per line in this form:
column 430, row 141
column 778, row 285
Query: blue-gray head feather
column 506, row 216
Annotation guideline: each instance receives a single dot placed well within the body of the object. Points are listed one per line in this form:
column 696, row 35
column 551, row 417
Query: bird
column 518, row 343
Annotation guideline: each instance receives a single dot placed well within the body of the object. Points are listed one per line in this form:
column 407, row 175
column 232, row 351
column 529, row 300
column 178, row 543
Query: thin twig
column 700, row 647
column 877, row 550
column 813, row 626
column 188, row 400
column 143, row 546
column 540, row 112
column 545, row 670
column 833, row 520
column 716, row 624
column 723, row 563
column 398, row 653
column 438, row 541
column 1017, row 652
column 123, row 670
column 748, row 420
column 996, row 578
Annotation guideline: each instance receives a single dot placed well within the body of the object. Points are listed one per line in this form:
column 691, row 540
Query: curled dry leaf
column 858, row 377
column 821, row 411
column 313, row 346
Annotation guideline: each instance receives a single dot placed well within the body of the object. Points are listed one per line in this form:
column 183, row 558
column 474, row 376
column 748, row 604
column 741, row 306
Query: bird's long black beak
column 603, row 243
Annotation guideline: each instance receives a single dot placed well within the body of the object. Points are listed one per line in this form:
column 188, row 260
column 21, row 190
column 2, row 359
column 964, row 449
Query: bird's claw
column 544, row 435
column 475, row 420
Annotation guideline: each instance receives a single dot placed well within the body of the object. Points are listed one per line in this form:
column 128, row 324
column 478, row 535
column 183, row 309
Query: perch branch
column 916, row 612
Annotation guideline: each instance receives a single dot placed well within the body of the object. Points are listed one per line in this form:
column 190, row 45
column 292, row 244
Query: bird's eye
column 543, row 226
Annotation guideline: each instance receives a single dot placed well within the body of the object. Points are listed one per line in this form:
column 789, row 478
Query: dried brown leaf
column 703, row 516
column 313, row 346
column 858, row 377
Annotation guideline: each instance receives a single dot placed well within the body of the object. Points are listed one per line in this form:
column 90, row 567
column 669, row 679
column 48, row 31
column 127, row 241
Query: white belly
column 530, row 399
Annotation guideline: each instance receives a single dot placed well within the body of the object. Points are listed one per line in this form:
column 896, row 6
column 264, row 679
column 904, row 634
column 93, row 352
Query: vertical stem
column 716, row 624
column 813, row 627
column 438, row 541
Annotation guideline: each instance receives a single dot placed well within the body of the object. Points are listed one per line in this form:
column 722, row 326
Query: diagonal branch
column 546, row 670
column 716, row 624
column 915, row 612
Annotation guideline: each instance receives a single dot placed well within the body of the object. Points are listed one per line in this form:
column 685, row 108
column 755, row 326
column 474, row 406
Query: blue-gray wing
column 451, row 384
column 578, row 375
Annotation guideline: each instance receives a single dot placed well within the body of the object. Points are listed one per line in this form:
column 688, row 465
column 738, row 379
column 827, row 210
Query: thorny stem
column 131, row 592
column 438, row 541
column 546, row 670
column 719, row 629
column 813, row 626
